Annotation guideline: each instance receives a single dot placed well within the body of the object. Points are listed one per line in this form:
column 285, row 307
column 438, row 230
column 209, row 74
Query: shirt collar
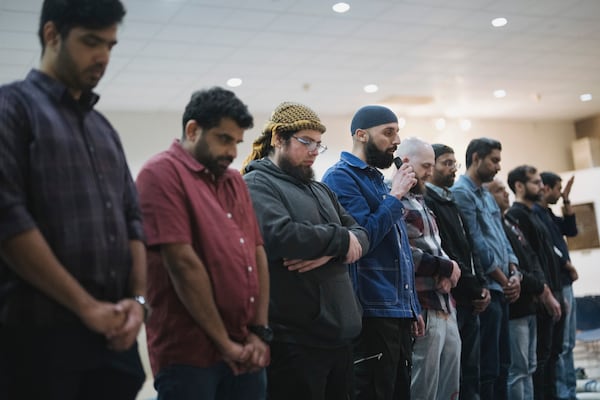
column 59, row 91
column 440, row 191
column 356, row 162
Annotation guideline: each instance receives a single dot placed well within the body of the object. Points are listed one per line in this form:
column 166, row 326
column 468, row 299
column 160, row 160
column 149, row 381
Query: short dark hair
column 90, row 14
column 520, row 174
column 441, row 149
column 209, row 106
column 482, row 147
column 550, row 179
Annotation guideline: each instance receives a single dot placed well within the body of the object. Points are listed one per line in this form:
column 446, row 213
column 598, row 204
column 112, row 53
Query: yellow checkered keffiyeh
column 287, row 117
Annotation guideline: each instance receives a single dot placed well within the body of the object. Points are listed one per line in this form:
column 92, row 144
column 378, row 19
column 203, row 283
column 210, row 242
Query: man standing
column 309, row 240
column 384, row 277
column 471, row 295
column 523, row 312
column 436, row 355
column 526, row 184
column 207, row 273
column 497, row 260
column 72, row 265
column 558, row 227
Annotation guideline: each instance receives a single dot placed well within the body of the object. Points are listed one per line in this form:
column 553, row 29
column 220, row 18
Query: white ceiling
column 300, row 50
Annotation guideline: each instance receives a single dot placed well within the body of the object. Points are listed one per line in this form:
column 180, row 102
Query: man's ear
column 192, row 130
column 361, row 135
column 51, row 35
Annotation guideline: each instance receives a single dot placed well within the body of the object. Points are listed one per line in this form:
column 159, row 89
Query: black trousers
column 65, row 363
column 384, row 359
column 300, row 372
column 549, row 346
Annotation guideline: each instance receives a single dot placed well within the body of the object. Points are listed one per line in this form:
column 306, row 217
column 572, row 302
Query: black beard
column 377, row 158
column 211, row 163
column 533, row 197
column 302, row 173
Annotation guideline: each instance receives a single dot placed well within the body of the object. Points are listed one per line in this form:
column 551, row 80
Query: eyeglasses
column 311, row 145
column 451, row 164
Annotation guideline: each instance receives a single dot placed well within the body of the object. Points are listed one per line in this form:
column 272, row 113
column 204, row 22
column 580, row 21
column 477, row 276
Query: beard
column 533, row 197
column 419, row 187
column 377, row 158
column 485, row 175
column 304, row 174
column 216, row 165
column 444, row 181
column 68, row 72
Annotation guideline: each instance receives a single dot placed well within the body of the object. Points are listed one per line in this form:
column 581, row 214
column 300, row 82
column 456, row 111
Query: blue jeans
column 468, row 326
column 523, row 359
column 565, row 369
column 183, row 382
column 495, row 348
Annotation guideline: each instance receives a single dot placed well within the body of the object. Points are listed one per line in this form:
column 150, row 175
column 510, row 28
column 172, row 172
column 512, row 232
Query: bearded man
column 384, row 277
column 309, row 239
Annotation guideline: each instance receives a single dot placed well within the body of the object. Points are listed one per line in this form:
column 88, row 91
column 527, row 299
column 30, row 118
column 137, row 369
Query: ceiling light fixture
column 440, row 124
column 234, row 82
column 499, row 22
column 586, row 97
column 465, row 124
column 500, row 93
column 371, row 88
column 341, row 7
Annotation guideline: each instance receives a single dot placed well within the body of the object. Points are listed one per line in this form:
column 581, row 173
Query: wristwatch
column 141, row 300
column 264, row 332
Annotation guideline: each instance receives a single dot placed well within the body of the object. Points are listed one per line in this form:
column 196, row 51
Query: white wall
column 546, row 145
column 587, row 262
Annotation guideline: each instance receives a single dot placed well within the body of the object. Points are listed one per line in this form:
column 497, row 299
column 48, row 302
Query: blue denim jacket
column 481, row 214
column 384, row 278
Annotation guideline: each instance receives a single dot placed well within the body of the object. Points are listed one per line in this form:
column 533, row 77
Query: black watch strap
column 264, row 332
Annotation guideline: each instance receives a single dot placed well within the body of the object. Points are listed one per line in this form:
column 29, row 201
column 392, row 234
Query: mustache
column 225, row 158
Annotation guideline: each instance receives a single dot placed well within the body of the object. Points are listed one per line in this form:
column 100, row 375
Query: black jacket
column 539, row 238
column 457, row 245
column 533, row 281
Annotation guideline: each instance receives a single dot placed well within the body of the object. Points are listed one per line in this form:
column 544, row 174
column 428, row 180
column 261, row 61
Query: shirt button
column 108, row 205
column 406, row 286
column 252, row 299
column 249, row 268
column 111, row 238
column 242, row 240
column 229, row 215
column 100, row 176
column 112, row 273
column 91, row 148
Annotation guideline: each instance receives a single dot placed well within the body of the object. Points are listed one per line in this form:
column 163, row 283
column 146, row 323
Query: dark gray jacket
column 305, row 221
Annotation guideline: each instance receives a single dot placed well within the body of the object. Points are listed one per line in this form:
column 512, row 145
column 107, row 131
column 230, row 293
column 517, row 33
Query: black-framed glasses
column 311, row 145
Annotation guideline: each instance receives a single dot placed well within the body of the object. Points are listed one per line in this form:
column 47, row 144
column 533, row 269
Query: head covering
column 287, row 117
column 369, row 116
column 441, row 149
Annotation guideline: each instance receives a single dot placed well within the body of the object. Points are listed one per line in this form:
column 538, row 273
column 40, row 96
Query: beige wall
column 546, row 145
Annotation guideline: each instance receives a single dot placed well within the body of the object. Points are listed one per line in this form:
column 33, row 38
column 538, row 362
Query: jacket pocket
column 340, row 314
column 378, row 284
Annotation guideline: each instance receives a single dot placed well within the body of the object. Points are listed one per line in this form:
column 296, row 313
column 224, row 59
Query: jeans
column 565, row 369
column 495, row 348
column 523, row 360
column 436, row 358
column 217, row 382
column 468, row 326
column 299, row 372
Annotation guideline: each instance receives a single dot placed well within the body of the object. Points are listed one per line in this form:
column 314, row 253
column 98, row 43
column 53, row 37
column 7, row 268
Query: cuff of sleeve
column 15, row 220
column 135, row 230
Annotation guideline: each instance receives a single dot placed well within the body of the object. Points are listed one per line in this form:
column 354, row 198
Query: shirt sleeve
column 14, row 159
column 163, row 204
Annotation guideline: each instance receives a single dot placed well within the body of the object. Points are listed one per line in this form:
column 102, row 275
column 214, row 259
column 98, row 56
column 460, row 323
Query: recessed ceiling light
column 500, row 93
column 586, row 97
column 371, row 88
column 465, row 124
column 341, row 7
column 440, row 124
column 499, row 22
column 234, row 82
